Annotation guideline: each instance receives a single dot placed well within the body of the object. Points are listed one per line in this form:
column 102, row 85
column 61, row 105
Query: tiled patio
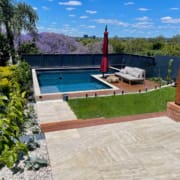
column 54, row 111
column 146, row 149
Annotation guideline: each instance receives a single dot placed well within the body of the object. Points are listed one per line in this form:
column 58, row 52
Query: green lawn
column 122, row 105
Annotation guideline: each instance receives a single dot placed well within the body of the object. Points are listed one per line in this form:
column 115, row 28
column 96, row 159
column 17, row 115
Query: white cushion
column 128, row 69
column 131, row 73
column 123, row 71
column 140, row 71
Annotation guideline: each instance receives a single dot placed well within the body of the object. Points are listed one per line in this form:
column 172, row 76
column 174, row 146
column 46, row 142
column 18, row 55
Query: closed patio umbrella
column 104, row 60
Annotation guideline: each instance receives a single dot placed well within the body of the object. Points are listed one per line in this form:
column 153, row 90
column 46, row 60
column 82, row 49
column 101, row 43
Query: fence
column 161, row 66
column 154, row 66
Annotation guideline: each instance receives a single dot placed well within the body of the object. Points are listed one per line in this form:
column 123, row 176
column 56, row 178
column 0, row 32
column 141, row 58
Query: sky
column 138, row 18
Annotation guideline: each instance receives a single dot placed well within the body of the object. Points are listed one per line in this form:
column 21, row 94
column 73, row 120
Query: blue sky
column 138, row 18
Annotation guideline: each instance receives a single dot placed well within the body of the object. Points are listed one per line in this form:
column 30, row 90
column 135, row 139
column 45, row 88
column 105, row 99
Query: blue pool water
column 54, row 81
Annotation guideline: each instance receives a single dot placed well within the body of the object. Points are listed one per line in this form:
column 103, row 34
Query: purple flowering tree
column 53, row 43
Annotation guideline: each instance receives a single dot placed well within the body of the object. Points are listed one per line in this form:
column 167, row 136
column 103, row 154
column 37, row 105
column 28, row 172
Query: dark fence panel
column 154, row 66
column 62, row 60
column 161, row 66
column 79, row 60
column 143, row 62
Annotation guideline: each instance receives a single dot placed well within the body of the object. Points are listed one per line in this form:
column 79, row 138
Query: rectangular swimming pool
column 70, row 80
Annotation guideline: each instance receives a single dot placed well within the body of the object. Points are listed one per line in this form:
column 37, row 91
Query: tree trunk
column 10, row 39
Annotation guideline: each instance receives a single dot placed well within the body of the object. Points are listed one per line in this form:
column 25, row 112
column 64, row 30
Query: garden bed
column 37, row 152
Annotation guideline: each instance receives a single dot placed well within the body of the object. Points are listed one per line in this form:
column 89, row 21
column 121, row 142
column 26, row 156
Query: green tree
column 117, row 45
column 28, row 48
column 22, row 75
column 16, row 17
column 3, row 50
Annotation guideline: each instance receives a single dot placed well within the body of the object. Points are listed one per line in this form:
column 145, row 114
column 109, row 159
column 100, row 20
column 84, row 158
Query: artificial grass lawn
column 123, row 105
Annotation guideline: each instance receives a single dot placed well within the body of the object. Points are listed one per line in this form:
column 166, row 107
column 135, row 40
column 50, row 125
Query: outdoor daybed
column 131, row 74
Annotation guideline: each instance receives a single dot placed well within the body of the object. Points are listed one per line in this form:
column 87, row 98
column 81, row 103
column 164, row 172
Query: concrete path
column 136, row 150
column 54, row 111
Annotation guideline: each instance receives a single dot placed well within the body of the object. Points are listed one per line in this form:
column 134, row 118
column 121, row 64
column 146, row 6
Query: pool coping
column 51, row 96
column 82, row 94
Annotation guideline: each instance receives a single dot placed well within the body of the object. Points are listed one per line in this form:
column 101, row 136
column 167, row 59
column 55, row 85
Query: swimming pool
column 54, row 81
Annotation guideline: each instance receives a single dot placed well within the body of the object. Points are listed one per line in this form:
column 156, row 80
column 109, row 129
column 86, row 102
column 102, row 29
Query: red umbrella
column 104, row 60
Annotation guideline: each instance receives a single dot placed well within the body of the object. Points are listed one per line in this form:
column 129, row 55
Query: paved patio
column 146, row 149
column 54, row 111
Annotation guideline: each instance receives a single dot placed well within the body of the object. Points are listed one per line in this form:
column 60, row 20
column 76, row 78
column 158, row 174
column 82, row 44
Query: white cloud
column 111, row 21
column 45, row 8
column 92, row 27
column 169, row 26
column 129, row 3
column 91, row 12
column 41, row 28
column 70, row 8
column 72, row 15
column 35, row 8
column 144, row 25
column 143, row 9
column 168, row 19
column 70, row 3
column 174, row 9
column 71, row 31
column 144, row 18
column 83, row 17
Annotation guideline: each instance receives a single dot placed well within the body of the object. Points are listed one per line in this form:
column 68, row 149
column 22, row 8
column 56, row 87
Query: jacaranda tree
column 15, row 18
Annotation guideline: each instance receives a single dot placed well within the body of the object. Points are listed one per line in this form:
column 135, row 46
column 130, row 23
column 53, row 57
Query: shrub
column 4, row 50
column 6, row 74
column 14, row 80
column 11, row 124
column 22, row 75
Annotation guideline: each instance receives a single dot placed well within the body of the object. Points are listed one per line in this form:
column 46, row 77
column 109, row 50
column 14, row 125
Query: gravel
column 43, row 173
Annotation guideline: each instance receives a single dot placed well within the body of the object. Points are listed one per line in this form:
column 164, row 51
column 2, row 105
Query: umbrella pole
column 103, row 75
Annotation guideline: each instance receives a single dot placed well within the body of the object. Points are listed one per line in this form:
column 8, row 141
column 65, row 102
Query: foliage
column 117, row 45
column 35, row 163
column 3, row 50
column 86, row 41
column 27, row 48
column 6, row 74
column 53, row 43
column 169, row 71
column 15, row 18
column 31, row 121
column 147, row 46
column 122, row 105
column 158, row 80
column 11, row 125
column 12, row 114
column 32, row 144
column 22, row 75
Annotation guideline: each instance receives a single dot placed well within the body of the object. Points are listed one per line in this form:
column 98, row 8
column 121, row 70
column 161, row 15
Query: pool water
column 54, row 81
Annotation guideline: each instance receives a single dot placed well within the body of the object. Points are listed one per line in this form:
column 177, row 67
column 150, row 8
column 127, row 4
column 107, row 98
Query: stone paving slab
column 146, row 149
column 54, row 110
